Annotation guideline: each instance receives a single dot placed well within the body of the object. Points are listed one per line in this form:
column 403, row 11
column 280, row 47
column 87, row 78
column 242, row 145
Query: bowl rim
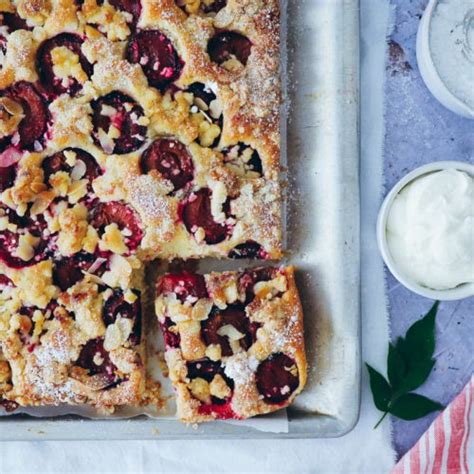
column 460, row 292
column 429, row 71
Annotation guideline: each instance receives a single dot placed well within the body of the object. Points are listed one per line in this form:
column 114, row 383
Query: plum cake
column 234, row 341
column 134, row 130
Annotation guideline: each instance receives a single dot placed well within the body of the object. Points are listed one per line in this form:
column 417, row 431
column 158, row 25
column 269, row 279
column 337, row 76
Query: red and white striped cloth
column 448, row 446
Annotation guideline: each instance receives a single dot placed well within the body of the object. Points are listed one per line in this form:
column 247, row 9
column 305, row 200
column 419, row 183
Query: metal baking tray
column 320, row 140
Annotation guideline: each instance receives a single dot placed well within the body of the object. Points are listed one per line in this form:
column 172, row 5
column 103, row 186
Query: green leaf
column 409, row 363
column 381, row 390
column 413, row 406
column 416, row 376
column 404, row 373
column 396, row 365
column 419, row 341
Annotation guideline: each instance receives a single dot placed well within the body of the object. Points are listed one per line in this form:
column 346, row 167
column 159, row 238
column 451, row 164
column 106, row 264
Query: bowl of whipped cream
column 445, row 53
column 425, row 230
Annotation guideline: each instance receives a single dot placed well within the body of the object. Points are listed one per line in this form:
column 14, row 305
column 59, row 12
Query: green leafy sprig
column 409, row 363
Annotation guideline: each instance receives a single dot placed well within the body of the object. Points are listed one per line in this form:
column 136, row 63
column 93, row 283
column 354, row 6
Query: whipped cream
column 452, row 47
column 430, row 230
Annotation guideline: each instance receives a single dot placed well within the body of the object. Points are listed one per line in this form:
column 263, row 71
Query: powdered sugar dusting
column 149, row 196
column 260, row 86
column 48, row 369
column 56, row 350
column 241, row 368
column 287, row 338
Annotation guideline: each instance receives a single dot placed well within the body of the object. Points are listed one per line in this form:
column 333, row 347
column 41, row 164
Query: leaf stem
column 381, row 419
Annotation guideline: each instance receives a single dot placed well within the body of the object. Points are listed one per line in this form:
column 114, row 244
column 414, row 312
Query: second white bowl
column 428, row 69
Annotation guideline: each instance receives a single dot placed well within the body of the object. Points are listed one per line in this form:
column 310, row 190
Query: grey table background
column 419, row 130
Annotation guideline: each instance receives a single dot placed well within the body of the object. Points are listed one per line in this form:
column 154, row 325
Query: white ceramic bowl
column 460, row 292
column 428, row 69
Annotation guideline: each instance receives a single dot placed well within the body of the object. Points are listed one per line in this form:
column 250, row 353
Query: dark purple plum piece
column 227, row 44
column 125, row 119
column 275, row 378
column 196, row 212
column 116, row 305
column 44, row 64
column 171, row 159
column 157, row 56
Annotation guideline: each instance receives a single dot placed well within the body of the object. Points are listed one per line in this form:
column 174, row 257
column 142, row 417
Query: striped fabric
column 448, row 445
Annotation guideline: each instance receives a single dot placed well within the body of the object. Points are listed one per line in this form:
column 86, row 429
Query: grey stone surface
column 418, row 131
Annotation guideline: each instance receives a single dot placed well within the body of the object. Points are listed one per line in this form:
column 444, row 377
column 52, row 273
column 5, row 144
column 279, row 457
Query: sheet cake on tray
column 134, row 131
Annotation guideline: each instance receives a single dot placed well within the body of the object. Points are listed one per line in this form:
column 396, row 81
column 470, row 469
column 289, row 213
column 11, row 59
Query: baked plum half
column 25, row 107
column 277, row 378
column 248, row 250
column 196, row 214
column 157, row 56
column 65, row 47
column 68, row 271
column 186, row 286
column 171, row 159
column 227, row 45
column 117, row 125
column 235, row 316
column 28, row 244
column 96, row 360
column 85, row 166
column 119, row 213
column 116, row 306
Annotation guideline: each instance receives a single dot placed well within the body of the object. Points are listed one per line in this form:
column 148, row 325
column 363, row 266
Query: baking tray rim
column 70, row 427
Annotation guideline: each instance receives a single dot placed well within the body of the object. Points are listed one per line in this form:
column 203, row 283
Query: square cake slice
column 85, row 347
column 234, row 341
